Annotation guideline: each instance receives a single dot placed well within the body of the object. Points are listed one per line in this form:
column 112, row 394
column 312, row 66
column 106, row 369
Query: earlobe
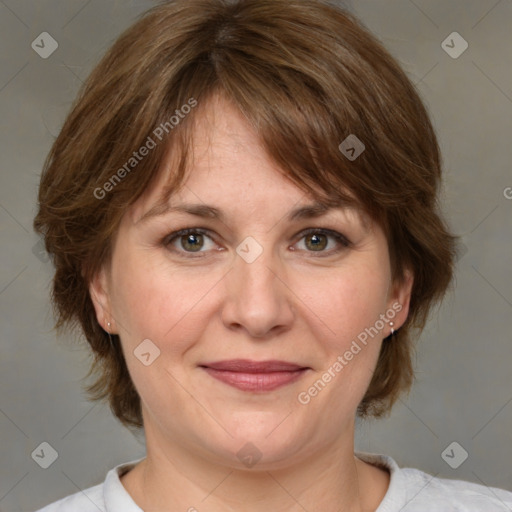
column 99, row 293
column 401, row 298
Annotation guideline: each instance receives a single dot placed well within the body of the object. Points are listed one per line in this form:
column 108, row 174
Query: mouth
column 248, row 375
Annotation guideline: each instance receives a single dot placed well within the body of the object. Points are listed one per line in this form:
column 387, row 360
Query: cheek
column 349, row 352
column 149, row 303
column 351, row 300
column 134, row 297
column 158, row 302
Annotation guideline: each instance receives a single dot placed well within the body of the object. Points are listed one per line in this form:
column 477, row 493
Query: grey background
column 463, row 391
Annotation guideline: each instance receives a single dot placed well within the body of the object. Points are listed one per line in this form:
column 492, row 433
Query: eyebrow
column 308, row 211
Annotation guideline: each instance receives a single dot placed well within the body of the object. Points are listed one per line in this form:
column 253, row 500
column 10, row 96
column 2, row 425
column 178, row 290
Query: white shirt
column 410, row 490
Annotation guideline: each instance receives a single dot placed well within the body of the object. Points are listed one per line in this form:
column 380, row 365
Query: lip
column 249, row 366
column 248, row 375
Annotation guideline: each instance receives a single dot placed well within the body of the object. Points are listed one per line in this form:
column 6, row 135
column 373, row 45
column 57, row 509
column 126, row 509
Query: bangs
column 302, row 139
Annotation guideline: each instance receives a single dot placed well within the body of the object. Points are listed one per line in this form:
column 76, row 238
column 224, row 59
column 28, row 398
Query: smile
column 255, row 376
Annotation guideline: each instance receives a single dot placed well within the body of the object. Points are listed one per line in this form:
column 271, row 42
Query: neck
column 178, row 478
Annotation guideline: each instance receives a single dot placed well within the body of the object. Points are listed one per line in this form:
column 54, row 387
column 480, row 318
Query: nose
column 258, row 299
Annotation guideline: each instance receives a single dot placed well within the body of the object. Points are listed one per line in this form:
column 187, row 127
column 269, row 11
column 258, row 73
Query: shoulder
column 109, row 496
column 89, row 500
column 412, row 490
column 427, row 492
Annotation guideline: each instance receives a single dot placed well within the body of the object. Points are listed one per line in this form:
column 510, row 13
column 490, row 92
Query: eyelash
column 340, row 239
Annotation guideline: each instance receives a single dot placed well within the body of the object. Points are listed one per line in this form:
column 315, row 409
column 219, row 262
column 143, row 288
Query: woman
column 242, row 212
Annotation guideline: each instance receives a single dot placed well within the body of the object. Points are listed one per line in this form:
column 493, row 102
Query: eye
column 316, row 240
column 197, row 240
column 190, row 240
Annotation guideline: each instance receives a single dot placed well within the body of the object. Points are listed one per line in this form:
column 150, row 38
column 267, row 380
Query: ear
column 100, row 295
column 399, row 299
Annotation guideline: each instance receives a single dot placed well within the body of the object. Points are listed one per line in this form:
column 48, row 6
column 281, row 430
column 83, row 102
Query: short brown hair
column 306, row 75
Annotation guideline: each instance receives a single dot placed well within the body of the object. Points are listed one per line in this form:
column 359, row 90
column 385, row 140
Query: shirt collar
column 117, row 497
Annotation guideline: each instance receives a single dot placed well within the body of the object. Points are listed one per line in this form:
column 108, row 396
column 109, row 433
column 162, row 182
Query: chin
column 266, row 443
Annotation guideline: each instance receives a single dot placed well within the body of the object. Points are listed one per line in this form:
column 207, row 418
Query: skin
column 293, row 303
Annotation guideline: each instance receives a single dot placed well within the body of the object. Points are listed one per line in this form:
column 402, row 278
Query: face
column 253, row 283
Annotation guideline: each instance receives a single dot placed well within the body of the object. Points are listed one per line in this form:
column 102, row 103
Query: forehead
column 227, row 166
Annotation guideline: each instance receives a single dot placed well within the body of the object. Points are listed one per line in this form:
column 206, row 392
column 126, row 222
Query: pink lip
column 254, row 375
